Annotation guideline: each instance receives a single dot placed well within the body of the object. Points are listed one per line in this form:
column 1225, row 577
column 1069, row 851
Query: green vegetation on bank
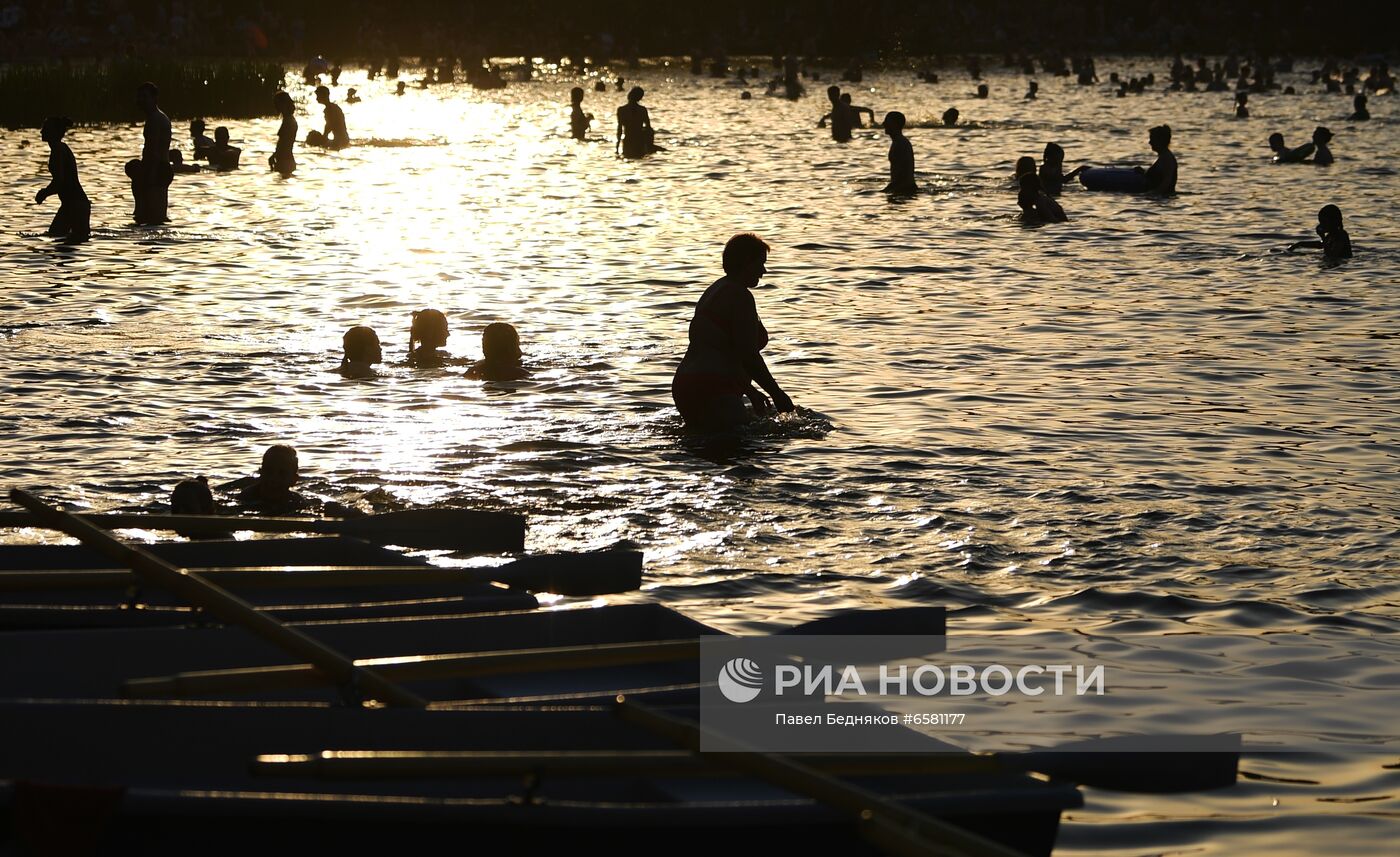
column 90, row 92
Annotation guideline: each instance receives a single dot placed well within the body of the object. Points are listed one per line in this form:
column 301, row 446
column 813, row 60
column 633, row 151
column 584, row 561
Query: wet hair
column 500, row 342
column 149, row 87
column 279, row 457
column 576, row 93
column 56, row 125
column 950, row 116
column 133, row 168
column 1322, row 134
column 192, row 497
column 635, row 93
column 742, row 250
column 429, row 326
column 894, row 120
column 221, row 134
column 360, row 343
column 1330, row 216
column 282, row 101
column 321, row 90
column 1025, row 165
column 1054, row 153
column 1161, row 134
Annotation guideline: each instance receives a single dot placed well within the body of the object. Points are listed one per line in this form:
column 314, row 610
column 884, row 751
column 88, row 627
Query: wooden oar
column 576, row 574
column 424, row 529
column 416, row 668
column 204, row 683
column 229, row 608
column 893, row 826
column 1188, row 763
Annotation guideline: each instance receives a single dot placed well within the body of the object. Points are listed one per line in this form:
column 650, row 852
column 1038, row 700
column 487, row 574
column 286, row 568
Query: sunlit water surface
column 1147, row 420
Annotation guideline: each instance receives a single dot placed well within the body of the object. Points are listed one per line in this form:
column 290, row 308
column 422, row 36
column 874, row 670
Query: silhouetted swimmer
column 839, row 116
column 578, row 120
column 178, row 165
column 426, row 335
column 352, row 96
column 1285, row 155
column 1361, row 114
column 1052, row 169
column 1335, row 243
column 73, row 221
column 727, row 338
column 224, row 155
column 1035, row 204
column 501, row 359
column 950, row 117
column 153, row 199
column 1161, row 176
column 1024, row 164
column 618, row 84
column 192, row 497
column 745, row 95
column 635, row 137
column 1322, row 155
column 1242, row 105
column 901, row 156
column 1031, row 91
column 271, row 490
column 400, row 87
column 282, row 160
column 600, row 86
column 982, row 90
column 361, row 352
column 335, row 136
column 202, row 143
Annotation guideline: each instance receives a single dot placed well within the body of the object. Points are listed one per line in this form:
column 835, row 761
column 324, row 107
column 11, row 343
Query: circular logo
column 740, row 680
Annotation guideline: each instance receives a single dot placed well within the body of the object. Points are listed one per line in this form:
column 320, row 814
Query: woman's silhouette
column 635, row 138
column 282, row 160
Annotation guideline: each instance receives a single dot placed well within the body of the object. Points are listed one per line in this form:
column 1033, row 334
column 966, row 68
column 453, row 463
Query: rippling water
column 1146, row 420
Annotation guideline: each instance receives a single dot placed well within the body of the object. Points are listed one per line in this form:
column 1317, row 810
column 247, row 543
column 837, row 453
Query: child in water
column 578, row 120
column 901, row 156
column 178, row 165
column 1322, row 156
column 1024, row 164
column 1335, row 243
column 362, row 351
column 426, row 335
column 1242, row 105
column 1052, row 169
column 1036, row 206
column 192, row 497
column 224, row 156
column 501, row 358
column 74, row 217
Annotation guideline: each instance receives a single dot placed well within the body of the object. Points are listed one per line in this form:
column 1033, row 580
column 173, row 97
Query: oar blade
column 441, row 529
column 1156, row 764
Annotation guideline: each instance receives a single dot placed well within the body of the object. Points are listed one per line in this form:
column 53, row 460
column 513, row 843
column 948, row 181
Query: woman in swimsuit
column 282, row 160
column 725, row 359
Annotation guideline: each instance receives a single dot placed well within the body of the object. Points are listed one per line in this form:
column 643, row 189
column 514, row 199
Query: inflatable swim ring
column 1122, row 180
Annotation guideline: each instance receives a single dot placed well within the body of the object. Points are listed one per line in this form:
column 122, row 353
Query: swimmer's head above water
column 428, row 331
column 500, row 343
column 1160, row 138
column 634, row 95
column 950, row 117
column 1025, row 165
column 1054, row 154
column 192, row 497
column 361, row 347
column 894, row 123
column 280, row 467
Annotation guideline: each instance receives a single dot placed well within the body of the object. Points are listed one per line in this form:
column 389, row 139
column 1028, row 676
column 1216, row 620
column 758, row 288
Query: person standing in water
column 283, row 160
column 1322, row 155
column 336, row 136
column 578, row 120
column 1361, row 114
column 635, row 137
column 727, row 338
column 153, row 201
column 1335, row 243
column 74, row 218
column 840, row 116
column 1161, row 176
column 901, row 157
